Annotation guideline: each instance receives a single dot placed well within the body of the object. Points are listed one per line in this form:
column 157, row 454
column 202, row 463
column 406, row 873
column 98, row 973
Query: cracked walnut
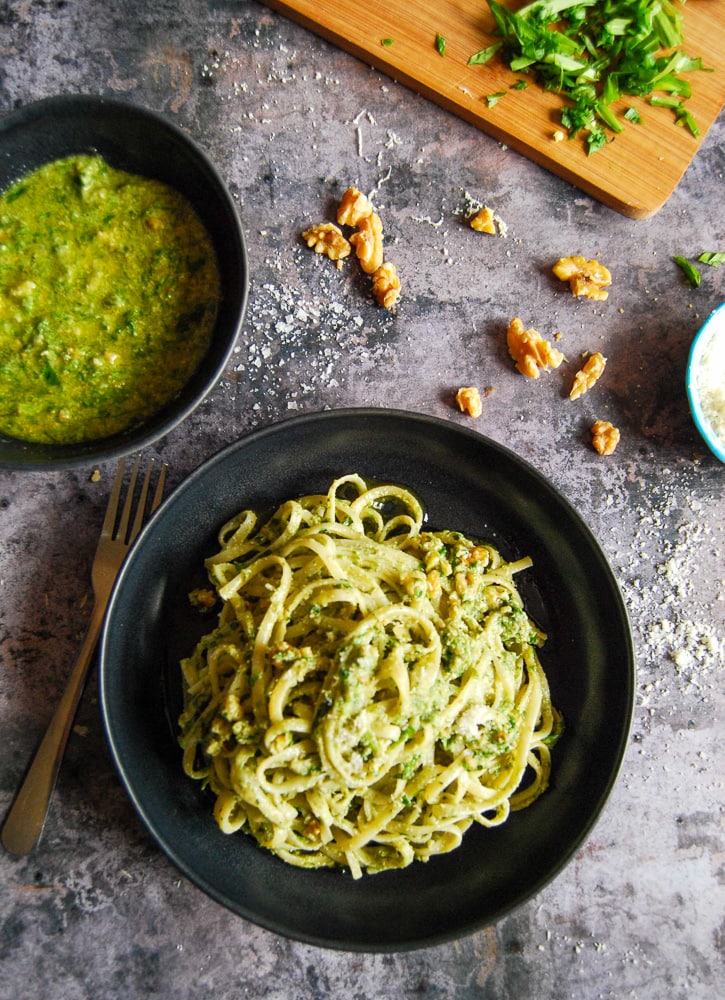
column 530, row 351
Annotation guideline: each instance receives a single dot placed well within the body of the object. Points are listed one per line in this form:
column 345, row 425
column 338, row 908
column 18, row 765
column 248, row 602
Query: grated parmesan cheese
column 711, row 385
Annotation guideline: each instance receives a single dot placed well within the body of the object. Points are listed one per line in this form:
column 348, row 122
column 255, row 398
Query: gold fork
column 24, row 822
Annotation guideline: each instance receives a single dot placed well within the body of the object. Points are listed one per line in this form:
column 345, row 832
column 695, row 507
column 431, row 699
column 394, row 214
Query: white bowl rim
column 713, row 326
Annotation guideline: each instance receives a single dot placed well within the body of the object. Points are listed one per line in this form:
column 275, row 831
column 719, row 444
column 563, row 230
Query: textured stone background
column 98, row 912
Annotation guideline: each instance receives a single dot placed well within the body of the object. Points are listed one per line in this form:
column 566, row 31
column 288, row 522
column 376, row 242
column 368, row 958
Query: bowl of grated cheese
column 706, row 382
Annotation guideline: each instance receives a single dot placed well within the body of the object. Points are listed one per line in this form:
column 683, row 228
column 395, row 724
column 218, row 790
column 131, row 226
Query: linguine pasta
column 371, row 688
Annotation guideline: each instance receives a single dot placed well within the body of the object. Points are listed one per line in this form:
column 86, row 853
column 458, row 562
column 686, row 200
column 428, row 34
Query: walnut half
column 587, row 375
column 605, row 437
column 530, row 351
column 353, row 208
column 368, row 242
column 586, row 277
column 326, row 238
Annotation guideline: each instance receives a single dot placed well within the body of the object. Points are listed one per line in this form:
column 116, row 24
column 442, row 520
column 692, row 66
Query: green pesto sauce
column 109, row 290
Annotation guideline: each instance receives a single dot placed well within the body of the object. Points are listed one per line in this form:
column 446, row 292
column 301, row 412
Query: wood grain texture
column 635, row 174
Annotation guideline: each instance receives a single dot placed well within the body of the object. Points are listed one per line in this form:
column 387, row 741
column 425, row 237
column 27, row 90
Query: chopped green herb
column 483, row 56
column 685, row 119
column 665, row 102
column 632, row 115
column 689, row 270
column 712, row 257
column 441, row 44
column 519, row 85
column 386, row 41
column 593, row 52
column 493, row 99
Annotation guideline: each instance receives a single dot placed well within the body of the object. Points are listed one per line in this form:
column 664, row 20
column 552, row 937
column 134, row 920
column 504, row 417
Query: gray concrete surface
column 97, row 911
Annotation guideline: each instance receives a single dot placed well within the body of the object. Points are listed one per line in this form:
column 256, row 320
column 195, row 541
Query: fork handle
column 24, row 821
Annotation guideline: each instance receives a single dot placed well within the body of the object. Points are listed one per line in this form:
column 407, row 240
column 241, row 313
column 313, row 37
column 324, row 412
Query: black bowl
column 465, row 482
column 143, row 142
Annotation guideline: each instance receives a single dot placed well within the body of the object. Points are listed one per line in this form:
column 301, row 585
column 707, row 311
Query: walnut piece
column 483, row 221
column 356, row 210
column 605, row 437
column 326, row 238
column 386, row 285
column 586, row 277
column 368, row 242
column 353, row 208
column 530, row 351
column 585, row 378
column 469, row 400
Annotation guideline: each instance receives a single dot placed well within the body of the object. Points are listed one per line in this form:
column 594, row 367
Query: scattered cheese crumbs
column 711, row 385
column 605, row 437
column 530, row 351
column 96, row 476
column 558, row 135
column 587, row 375
column 586, row 277
column 469, row 401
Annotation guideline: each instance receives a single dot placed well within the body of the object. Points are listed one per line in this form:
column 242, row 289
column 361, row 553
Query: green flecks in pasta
column 391, row 695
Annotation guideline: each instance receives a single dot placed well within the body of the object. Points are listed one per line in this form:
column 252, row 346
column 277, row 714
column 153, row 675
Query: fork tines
column 122, row 531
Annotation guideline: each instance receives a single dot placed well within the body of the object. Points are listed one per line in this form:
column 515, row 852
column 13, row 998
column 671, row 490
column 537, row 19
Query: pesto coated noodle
column 371, row 689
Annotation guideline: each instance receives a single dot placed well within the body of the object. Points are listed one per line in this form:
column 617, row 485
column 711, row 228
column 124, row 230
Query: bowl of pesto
column 123, row 280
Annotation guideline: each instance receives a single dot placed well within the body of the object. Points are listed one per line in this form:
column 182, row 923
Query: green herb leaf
column 712, row 257
column 689, row 270
column 386, row 41
column 593, row 52
column 441, row 44
column 483, row 56
column 493, row 99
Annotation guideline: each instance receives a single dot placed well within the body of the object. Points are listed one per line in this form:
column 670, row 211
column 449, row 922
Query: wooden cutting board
column 635, row 174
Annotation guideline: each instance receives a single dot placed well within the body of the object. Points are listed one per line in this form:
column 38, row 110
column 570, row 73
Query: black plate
column 465, row 482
